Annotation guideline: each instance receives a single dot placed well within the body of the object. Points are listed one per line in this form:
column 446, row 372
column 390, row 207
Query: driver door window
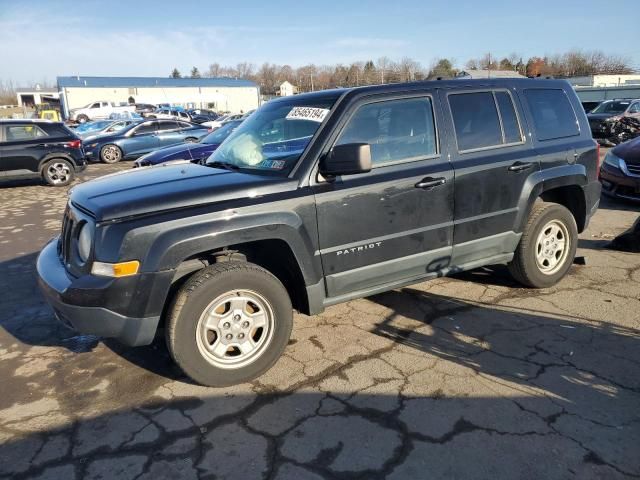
column 396, row 130
column 96, row 105
column 146, row 129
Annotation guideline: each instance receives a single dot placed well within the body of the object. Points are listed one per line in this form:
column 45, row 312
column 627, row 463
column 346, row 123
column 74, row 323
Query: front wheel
column 82, row 118
column 110, row 154
column 229, row 324
column 547, row 247
column 190, row 140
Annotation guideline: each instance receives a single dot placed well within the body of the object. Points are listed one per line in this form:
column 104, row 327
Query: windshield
column 611, row 107
column 220, row 134
column 91, row 126
column 274, row 137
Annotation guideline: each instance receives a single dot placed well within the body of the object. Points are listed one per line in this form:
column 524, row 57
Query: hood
column 166, row 187
column 629, row 151
column 182, row 151
column 601, row 116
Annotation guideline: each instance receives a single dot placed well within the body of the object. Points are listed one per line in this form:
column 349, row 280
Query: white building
column 286, row 89
column 605, row 80
column 488, row 74
column 221, row 94
column 30, row 97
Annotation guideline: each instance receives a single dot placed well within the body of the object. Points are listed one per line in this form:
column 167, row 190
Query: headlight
column 611, row 160
column 85, row 239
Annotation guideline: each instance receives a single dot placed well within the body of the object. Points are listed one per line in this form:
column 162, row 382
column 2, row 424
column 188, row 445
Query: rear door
column 23, row 147
column 394, row 223
column 492, row 160
column 169, row 133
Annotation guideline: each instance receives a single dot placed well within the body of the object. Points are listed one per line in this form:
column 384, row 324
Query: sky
column 43, row 39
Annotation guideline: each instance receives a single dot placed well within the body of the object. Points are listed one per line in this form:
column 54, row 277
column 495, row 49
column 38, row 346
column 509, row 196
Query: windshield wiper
column 224, row 165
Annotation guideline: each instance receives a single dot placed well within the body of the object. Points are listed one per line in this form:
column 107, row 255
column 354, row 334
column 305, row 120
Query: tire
column 547, row 247
column 205, row 352
column 190, row 140
column 82, row 118
column 110, row 153
column 151, row 117
column 58, row 172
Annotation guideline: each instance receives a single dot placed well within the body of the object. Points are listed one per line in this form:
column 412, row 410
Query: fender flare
column 545, row 180
column 52, row 156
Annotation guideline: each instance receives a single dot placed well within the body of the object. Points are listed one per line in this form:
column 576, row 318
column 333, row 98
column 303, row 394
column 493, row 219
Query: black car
column 608, row 109
column 201, row 116
column 321, row 198
column 620, row 171
column 40, row 148
column 589, row 106
column 145, row 108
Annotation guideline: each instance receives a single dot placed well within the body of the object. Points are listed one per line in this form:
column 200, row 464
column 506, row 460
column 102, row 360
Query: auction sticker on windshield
column 308, row 113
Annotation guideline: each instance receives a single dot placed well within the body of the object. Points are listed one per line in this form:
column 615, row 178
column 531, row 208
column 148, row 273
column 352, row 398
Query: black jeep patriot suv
column 318, row 199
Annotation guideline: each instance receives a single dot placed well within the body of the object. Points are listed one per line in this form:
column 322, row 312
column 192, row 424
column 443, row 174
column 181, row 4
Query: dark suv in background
column 40, row 148
column 320, row 198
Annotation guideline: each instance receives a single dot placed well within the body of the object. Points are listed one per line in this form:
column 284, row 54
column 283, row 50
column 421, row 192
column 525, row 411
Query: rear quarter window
column 553, row 115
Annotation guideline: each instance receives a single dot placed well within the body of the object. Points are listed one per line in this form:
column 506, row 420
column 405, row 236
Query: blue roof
column 141, row 82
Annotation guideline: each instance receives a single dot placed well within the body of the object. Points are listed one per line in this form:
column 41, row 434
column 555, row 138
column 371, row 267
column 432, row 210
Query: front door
column 394, row 223
column 143, row 139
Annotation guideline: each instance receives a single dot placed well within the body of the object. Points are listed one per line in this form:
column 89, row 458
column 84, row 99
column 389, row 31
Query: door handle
column 429, row 182
column 520, row 166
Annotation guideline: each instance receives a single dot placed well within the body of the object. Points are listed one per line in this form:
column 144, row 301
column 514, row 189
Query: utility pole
column 311, row 77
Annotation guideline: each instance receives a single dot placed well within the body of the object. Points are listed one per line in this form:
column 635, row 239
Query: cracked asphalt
column 464, row 377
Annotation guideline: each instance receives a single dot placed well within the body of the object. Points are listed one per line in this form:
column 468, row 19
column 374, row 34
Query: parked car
column 168, row 113
column 606, row 110
column 201, row 116
column 620, row 171
column 97, row 111
column 321, row 198
column 100, row 127
column 589, row 106
column 194, row 152
column 144, row 108
column 140, row 138
column 217, row 123
column 40, row 148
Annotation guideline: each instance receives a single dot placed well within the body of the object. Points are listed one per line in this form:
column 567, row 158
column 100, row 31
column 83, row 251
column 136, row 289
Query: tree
column 442, row 68
column 175, row 73
column 195, row 73
column 214, row 70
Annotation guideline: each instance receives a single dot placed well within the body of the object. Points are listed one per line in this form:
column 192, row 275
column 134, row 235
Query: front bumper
column 616, row 184
column 83, row 303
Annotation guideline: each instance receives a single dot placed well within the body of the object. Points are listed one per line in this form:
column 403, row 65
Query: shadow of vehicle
column 464, row 390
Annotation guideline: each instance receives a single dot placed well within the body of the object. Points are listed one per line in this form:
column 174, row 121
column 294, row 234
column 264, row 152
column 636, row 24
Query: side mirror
column 347, row 159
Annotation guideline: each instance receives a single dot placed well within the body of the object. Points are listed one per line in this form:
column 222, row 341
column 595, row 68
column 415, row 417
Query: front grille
column 64, row 247
column 635, row 169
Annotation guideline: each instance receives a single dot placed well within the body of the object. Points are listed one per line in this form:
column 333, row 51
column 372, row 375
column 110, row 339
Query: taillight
column 73, row 144
column 209, row 129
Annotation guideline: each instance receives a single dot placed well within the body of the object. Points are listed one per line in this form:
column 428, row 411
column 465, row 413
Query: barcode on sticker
column 307, row 113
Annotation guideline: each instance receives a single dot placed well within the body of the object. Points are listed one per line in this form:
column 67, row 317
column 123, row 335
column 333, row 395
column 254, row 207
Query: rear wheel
column 58, row 172
column 229, row 324
column 110, row 154
column 190, row 140
column 547, row 247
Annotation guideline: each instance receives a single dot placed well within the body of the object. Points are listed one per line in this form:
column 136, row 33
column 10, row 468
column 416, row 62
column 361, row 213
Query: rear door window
column 553, row 115
column 396, row 130
column 167, row 125
column 510, row 124
column 17, row 133
column 476, row 121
